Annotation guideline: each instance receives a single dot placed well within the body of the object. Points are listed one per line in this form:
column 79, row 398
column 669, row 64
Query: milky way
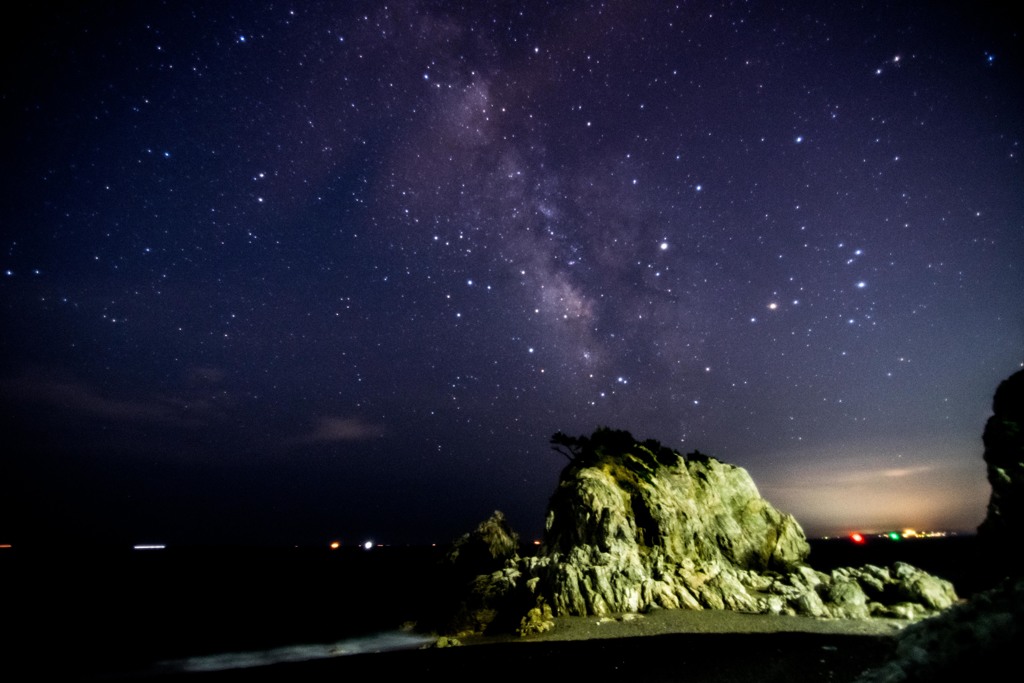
column 290, row 273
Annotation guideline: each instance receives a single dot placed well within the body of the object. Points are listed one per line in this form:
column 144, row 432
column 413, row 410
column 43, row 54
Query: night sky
column 293, row 272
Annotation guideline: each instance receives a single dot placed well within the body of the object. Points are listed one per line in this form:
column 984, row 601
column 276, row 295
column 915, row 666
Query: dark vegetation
column 607, row 442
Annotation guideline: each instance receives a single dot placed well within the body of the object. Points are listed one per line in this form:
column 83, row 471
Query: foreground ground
column 82, row 616
column 679, row 622
column 668, row 645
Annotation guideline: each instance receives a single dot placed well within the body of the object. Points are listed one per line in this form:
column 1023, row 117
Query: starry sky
column 290, row 272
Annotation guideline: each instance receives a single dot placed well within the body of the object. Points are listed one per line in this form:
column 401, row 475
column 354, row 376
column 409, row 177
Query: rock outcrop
column 635, row 526
column 476, row 588
column 978, row 638
column 1004, row 455
column 972, row 640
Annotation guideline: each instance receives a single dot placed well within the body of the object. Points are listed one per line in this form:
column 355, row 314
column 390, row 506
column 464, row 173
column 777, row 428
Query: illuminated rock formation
column 635, row 526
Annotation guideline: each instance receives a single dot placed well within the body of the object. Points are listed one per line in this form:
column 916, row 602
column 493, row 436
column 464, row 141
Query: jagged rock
column 921, row 587
column 480, row 580
column 445, row 641
column 975, row 639
column 486, row 548
column 873, row 580
column 621, row 498
column 635, row 526
column 1004, row 456
column 847, row 599
column 538, row 620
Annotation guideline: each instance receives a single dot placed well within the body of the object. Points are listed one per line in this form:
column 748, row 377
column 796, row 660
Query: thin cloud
column 333, row 429
column 907, row 471
column 206, row 375
column 78, row 397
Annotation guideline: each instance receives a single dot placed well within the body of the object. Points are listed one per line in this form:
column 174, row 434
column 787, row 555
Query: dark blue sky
column 289, row 272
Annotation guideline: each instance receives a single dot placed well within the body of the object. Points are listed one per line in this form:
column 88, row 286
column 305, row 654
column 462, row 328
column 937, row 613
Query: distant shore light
column 149, row 546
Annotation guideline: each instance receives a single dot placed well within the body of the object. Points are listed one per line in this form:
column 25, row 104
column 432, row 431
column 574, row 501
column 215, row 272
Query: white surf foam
column 388, row 641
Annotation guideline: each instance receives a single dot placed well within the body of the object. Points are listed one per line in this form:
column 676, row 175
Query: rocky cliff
column 635, row 526
column 1003, row 526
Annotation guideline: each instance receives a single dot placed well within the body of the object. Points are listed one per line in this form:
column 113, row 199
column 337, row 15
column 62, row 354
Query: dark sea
column 107, row 614
column 103, row 614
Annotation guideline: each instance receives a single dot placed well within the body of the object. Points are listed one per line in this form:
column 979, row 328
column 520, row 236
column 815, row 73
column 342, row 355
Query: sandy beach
column 681, row 621
column 665, row 645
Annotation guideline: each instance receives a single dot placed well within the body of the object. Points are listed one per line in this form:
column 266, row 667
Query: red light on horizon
column 857, row 538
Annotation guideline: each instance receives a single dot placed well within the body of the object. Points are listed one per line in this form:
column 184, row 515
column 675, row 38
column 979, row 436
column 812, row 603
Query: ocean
column 94, row 614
